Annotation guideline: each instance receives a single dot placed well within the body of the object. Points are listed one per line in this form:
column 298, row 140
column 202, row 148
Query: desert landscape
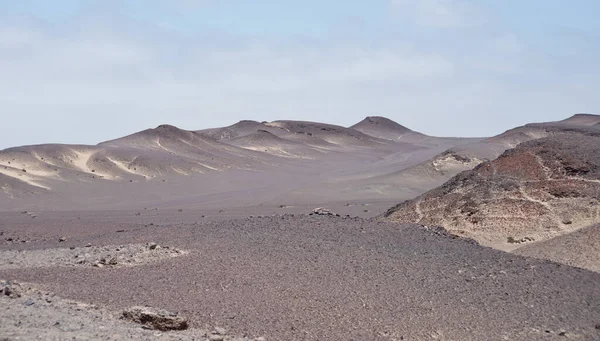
column 297, row 230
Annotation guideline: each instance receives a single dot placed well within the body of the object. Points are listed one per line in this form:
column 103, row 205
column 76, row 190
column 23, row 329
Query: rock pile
column 323, row 211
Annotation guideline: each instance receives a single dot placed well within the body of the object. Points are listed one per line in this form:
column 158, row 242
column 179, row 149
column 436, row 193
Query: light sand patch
column 209, row 167
column 275, row 151
column 122, row 166
column 451, row 164
column 7, row 190
column 18, row 174
column 179, row 171
column 93, row 256
column 81, row 160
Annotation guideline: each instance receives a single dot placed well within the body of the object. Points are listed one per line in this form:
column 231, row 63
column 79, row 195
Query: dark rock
column 155, row 319
column 152, row 246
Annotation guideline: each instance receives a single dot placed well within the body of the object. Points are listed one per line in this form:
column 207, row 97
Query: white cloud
column 439, row 13
column 100, row 84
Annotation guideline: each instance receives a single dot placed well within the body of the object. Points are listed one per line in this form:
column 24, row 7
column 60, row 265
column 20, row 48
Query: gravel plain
column 303, row 277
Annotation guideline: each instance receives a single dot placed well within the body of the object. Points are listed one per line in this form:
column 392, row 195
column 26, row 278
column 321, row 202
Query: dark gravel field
column 300, row 277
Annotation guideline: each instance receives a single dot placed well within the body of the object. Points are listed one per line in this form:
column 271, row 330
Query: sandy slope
column 580, row 249
column 282, row 162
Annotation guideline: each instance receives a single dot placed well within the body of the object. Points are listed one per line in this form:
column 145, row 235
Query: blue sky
column 89, row 70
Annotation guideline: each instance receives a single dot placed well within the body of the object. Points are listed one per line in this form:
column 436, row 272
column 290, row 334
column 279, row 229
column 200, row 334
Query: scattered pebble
column 220, row 331
column 216, row 337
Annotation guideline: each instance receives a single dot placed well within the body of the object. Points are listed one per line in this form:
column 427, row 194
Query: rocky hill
column 381, row 127
column 539, row 190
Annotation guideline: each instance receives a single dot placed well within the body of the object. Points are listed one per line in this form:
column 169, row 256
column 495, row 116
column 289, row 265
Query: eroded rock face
column 155, row 318
column 537, row 191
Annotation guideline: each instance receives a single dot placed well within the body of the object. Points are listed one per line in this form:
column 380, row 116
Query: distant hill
column 376, row 159
column 381, row 127
column 330, row 133
column 582, row 119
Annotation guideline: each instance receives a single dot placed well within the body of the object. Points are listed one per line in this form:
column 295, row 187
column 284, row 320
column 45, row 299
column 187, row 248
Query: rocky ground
column 32, row 314
column 289, row 277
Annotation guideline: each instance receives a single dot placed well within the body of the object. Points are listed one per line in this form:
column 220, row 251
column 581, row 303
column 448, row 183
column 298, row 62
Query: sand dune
column 308, row 160
column 288, row 162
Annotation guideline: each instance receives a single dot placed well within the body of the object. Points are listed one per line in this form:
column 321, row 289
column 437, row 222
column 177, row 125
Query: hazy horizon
column 87, row 71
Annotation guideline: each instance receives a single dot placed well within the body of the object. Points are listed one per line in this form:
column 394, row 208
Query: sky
column 85, row 71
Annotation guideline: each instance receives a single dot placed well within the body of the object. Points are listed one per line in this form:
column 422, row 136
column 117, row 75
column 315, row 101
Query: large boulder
column 155, row 318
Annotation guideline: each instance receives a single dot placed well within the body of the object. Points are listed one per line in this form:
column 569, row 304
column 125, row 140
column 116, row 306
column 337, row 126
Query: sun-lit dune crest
column 165, row 150
column 187, row 152
column 41, row 164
